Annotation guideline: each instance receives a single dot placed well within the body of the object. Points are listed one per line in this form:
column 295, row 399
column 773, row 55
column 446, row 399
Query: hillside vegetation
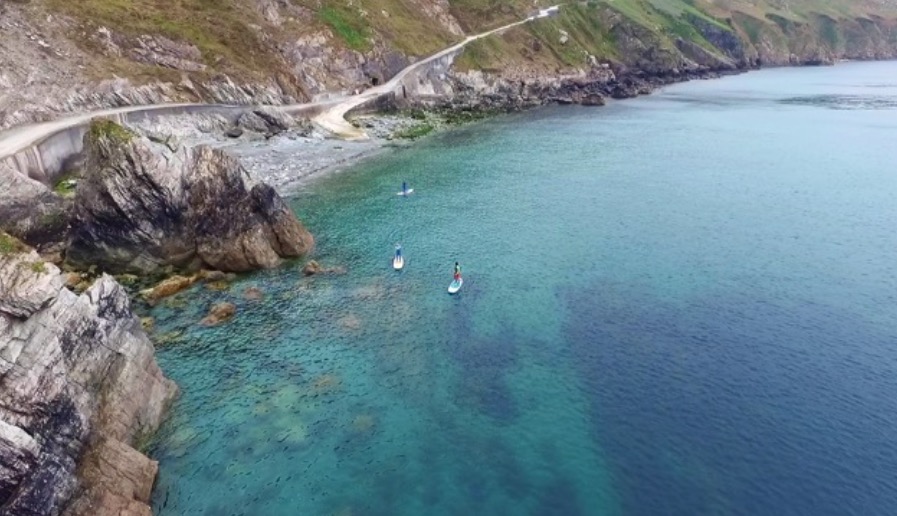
column 291, row 50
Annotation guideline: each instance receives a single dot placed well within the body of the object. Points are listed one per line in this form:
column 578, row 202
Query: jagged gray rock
column 266, row 120
column 161, row 51
column 252, row 122
column 142, row 207
column 79, row 384
column 30, row 211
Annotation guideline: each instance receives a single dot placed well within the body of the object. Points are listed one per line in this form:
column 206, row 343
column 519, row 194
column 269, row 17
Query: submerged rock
column 363, row 423
column 142, row 207
column 311, row 268
column 253, row 294
column 79, row 385
column 219, row 313
column 213, row 275
column 218, row 286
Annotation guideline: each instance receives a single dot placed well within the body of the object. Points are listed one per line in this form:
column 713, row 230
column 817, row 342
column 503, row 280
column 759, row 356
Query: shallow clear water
column 682, row 304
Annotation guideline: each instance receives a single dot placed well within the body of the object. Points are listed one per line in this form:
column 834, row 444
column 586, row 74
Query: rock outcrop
column 144, row 208
column 79, row 386
column 30, row 211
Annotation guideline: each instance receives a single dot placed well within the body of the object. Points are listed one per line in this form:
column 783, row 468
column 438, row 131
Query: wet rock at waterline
column 142, row 207
column 79, row 385
column 312, row 267
column 167, row 287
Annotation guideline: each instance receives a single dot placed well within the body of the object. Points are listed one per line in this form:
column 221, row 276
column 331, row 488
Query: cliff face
column 142, row 207
column 79, row 386
column 59, row 56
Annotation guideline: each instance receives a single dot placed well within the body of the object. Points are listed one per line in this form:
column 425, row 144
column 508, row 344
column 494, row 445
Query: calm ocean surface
column 684, row 304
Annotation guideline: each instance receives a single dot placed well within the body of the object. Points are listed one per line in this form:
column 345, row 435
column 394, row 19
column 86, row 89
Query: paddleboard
column 455, row 286
column 409, row 192
column 398, row 262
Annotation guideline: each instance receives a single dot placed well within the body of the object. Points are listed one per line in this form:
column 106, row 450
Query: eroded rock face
column 29, row 210
column 142, row 207
column 78, row 379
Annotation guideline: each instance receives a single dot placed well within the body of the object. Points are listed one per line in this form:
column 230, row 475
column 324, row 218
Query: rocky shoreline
column 288, row 161
column 79, row 385
column 79, row 390
column 188, row 194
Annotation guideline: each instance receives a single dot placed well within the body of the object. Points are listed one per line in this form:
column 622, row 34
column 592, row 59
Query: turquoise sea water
column 683, row 304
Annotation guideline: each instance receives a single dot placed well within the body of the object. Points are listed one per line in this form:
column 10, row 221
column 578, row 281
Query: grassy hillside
column 299, row 44
column 770, row 30
column 234, row 36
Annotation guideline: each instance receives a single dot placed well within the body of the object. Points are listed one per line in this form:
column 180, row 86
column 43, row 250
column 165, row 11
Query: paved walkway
column 332, row 118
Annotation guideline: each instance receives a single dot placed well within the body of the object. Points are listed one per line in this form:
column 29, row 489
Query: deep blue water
column 683, row 304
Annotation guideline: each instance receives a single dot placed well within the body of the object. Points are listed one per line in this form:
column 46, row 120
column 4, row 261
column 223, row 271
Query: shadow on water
column 848, row 102
column 737, row 406
column 482, row 361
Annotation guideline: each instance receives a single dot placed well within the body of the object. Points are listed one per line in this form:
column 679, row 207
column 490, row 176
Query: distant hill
column 63, row 55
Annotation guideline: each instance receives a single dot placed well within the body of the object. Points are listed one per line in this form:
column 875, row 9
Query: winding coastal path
column 332, row 117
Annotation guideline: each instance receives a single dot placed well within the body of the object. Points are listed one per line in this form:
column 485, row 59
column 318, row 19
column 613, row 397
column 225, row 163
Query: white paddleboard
column 455, row 286
column 409, row 192
column 398, row 262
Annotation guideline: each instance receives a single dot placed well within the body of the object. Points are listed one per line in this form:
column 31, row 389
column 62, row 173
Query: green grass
column 10, row 244
column 483, row 54
column 404, row 27
column 220, row 29
column 681, row 8
column 38, row 267
column 479, row 15
column 752, row 27
column 105, row 128
column 66, row 185
column 828, row 30
column 348, row 25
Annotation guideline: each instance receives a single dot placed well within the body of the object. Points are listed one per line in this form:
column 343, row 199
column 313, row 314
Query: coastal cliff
column 79, row 389
column 95, row 54
column 143, row 207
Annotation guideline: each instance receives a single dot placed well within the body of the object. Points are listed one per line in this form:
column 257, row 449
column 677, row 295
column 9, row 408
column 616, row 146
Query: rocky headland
column 79, row 391
column 152, row 207
column 142, row 207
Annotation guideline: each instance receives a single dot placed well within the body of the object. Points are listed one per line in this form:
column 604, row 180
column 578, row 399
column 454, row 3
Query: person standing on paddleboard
column 404, row 188
column 457, row 271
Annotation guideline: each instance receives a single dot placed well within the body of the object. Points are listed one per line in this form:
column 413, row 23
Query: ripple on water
column 670, row 307
column 868, row 102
